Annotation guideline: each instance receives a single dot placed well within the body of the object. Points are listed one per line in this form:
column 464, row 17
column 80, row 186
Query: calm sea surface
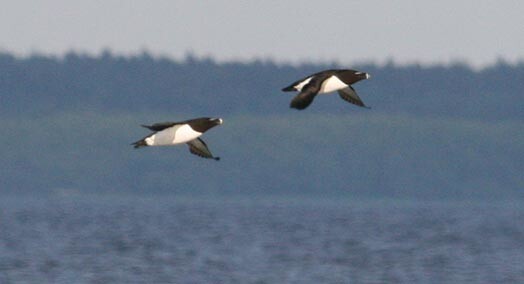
column 168, row 240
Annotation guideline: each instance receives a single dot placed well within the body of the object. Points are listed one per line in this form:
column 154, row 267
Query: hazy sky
column 406, row 31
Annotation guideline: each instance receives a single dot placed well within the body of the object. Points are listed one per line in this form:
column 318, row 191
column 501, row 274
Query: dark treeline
column 43, row 85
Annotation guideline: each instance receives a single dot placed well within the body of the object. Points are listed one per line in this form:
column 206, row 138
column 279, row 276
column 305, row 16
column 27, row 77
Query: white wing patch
column 301, row 85
column 173, row 135
column 332, row 84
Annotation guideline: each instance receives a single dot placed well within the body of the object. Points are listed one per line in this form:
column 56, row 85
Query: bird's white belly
column 332, row 84
column 174, row 135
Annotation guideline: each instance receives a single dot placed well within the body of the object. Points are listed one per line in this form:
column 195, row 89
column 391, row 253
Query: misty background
column 433, row 131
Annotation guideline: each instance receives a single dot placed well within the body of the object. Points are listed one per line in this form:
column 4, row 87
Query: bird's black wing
column 308, row 93
column 160, row 126
column 350, row 95
column 198, row 147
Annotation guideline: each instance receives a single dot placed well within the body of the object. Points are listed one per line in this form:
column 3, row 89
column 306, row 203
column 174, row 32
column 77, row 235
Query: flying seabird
column 325, row 82
column 188, row 131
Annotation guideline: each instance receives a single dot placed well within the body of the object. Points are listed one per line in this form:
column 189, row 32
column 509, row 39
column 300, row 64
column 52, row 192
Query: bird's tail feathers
column 139, row 143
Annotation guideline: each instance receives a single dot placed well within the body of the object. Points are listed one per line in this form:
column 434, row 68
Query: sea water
column 171, row 240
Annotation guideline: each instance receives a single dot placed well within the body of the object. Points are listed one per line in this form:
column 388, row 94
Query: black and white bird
column 188, row 131
column 325, row 82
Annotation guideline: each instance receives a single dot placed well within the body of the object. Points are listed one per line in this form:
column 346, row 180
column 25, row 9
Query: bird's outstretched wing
column 198, row 147
column 160, row 126
column 308, row 93
column 350, row 95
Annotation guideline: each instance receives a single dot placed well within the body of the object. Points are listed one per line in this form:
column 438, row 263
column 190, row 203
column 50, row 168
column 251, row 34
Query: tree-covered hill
column 43, row 85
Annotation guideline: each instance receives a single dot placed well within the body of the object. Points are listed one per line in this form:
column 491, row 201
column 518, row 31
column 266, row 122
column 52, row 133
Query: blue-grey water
column 169, row 240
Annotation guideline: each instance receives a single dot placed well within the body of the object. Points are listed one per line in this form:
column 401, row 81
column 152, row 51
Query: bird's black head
column 204, row 123
column 349, row 76
column 217, row 121
column 362, row 75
